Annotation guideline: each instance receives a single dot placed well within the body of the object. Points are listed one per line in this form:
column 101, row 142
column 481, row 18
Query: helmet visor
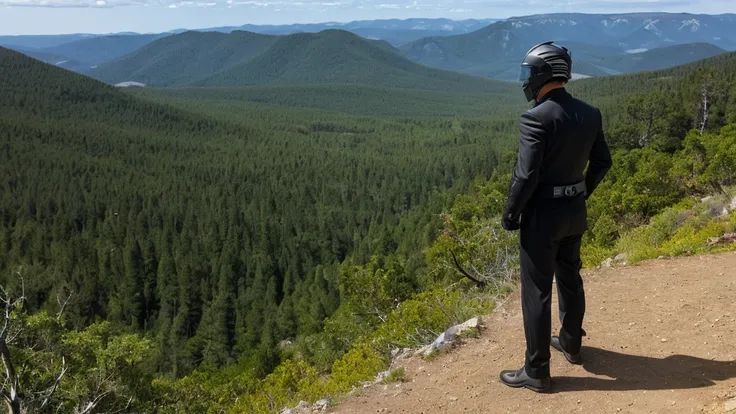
column 525, row 73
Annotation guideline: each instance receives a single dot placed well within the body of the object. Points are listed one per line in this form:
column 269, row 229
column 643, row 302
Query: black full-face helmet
column 543, row 63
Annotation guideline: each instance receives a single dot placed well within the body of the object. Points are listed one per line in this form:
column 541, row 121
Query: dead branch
column 12, row 382
column 92, row 404
column 62, row 306
column 481, row 284
column 55, row 386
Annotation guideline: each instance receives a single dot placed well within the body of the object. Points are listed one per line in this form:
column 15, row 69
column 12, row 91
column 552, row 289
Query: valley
column 490, row 48
column 264, row 214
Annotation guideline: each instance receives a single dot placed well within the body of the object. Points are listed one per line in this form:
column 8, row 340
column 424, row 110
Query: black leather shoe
column 519, row 379
column 576, row 359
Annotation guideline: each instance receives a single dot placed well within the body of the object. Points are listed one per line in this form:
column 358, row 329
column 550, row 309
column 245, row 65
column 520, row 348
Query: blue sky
column 106, row 16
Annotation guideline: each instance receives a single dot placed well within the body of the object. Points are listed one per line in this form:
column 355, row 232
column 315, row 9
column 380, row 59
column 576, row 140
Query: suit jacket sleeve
column 525, row 177
column 600, row 162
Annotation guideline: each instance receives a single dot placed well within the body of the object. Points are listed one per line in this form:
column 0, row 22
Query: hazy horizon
column 49, row 17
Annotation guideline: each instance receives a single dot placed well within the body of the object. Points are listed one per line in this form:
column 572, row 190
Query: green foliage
column 419, row 320
column 217, row 237
column 473, row 241
column 682, row 229
column 232, row 103
column 107, row 366
column 99, row 368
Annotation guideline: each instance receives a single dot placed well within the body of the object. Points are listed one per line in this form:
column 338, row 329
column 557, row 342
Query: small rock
column 446, row 339
column 381, row 376
column 731, row 404
column 321, row 406
column 664, row 340
column 607, row 263
column 301, row 408
column 621, row 258
column 423, row 350
column 704, row 199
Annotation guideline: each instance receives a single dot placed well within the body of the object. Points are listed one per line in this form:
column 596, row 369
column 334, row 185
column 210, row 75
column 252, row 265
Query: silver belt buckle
column 571, row 190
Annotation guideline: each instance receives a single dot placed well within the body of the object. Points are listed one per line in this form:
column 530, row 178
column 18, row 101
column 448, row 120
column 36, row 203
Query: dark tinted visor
column 525, row 74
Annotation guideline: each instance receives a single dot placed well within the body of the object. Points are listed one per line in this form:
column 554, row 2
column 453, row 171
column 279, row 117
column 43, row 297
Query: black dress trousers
column 551, row 232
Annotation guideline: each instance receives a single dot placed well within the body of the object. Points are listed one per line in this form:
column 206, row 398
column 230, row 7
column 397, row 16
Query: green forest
column 241, row 249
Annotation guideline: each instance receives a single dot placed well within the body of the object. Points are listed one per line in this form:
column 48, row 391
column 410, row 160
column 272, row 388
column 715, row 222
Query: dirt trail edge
column 661, row 339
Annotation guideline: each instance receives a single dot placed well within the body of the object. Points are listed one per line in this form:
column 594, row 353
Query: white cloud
column 71, row 3
column 485, row 7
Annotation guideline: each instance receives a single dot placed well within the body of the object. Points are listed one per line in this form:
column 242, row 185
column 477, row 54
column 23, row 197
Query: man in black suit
column 560, row 135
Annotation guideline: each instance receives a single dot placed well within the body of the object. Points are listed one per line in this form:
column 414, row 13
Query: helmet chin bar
column 531, row 93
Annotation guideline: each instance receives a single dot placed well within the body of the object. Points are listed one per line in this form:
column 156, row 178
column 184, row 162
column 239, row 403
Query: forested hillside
column 243, row 58
column 184, row 58
column 214, row 238
column 501, row 105
column 239, row 249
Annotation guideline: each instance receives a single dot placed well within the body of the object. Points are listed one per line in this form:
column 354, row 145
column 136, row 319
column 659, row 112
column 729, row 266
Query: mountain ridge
column 495, row 50
column 330, row 56
column 485, row 50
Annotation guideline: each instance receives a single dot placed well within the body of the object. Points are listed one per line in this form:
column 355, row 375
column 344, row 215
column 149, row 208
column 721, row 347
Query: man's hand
column 510, row 224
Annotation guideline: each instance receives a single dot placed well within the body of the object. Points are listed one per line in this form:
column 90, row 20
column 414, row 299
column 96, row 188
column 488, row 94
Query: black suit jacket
column 559, row 137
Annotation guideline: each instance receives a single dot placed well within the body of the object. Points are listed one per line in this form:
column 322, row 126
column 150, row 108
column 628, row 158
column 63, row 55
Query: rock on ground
column 450, row 336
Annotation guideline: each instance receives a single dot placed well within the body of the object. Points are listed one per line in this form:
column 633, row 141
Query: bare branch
column 126, row 408
column 62, row 306
column 11, row 395
column 92, row 404
column 477, row 282
column 54, row 387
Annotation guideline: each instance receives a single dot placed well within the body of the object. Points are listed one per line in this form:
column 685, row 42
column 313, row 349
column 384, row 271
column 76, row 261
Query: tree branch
column 54, row 387
column 477, row 282
column 62, row 306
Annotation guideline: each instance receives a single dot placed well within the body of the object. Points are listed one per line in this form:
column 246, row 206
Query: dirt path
column 661, row 339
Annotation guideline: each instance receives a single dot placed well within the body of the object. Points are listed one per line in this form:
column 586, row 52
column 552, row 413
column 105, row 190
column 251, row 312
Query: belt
column 563, row 191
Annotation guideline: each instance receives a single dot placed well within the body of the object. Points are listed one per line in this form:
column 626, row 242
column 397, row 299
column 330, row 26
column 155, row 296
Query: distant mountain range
column 245, row 58
column 395, row 31
column 601, row 44
column 627, row 31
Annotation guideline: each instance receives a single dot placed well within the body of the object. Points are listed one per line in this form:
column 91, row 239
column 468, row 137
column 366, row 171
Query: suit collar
column 554, row 93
